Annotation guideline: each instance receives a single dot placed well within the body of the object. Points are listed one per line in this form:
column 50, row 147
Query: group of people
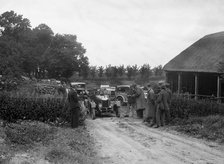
column 156, row 108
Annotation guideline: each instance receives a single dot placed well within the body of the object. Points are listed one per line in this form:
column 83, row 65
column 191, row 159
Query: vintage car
column 103, row 103
column 82, row 92
column 122, row 94
column 80, row 87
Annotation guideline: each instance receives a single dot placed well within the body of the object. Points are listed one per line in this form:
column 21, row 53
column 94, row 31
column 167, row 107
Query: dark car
column 122, row 93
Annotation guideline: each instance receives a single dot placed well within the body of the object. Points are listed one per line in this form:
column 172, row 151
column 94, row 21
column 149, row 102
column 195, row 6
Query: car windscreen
column 123, row 89
column 79, row 85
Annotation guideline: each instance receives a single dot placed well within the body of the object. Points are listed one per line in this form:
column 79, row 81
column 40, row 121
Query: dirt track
column 127, row 140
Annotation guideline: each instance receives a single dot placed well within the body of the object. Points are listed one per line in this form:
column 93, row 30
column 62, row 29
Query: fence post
column 218, row 89
column 196, row 86
column 179, row 83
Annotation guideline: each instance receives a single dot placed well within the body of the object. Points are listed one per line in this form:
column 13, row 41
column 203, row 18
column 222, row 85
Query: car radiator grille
column 105, row 103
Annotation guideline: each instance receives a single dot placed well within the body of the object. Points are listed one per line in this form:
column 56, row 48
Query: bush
column 183, row 108
column 41, row 109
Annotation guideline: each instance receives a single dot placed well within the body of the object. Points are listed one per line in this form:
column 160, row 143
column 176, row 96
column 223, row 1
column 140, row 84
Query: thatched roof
column 205, row 55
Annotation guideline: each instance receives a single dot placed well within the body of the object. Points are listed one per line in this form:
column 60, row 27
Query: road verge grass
column 205, row 127
column 44, row 142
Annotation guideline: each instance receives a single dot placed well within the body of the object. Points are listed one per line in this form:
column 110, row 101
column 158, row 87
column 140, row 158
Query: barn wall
column 207, row 84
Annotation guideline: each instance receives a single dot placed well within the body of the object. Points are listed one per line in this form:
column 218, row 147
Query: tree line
column 38, row 52
column 129, row 72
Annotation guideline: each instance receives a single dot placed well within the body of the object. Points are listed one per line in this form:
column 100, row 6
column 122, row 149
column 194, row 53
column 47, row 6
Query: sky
column 126, row 32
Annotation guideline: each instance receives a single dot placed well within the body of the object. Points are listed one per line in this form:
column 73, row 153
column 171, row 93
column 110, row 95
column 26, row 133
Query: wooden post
column 218, row 89
column 179, row 83
column 196, row 86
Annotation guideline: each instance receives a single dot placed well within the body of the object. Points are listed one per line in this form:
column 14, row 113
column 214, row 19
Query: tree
column 121, row 70
column 35, row 50
column 114, row 71
column 108, row 71
column 100, row 71
column 93, row 71
column 38, row 51
column 10, row 52
column 14, row 25
column 135, row 70
column 132, row 71
column 145, row 71
column 44, row 35
column 129, row 71
column 158, row 71
column 14, row 32
column 65, row 56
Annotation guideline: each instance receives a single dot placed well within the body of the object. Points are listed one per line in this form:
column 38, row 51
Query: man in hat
column 140, row 100
column 74, row 107
column 167, row 85
column 131, row 101
column 151, row 104
column 162, row 106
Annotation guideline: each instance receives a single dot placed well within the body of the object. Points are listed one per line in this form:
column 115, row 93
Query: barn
column 199, row 69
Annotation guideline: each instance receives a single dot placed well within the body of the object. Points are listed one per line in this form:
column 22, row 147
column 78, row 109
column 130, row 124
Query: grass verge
column 208, row 127
column 38, row 142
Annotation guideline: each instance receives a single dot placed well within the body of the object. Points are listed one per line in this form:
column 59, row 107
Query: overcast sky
column 126, row 31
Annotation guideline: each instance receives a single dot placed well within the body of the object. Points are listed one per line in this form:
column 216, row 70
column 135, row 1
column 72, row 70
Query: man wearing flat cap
column 167, row 85
column 151, row 104
column 139, row 99
column 74, row 107
column 162, row 101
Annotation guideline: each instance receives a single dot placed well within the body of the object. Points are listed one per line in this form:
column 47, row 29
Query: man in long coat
column 162, row 106
column 169, row 101
column 131, row 101
column 151, row 105
column 140, row 99
column 74, row 107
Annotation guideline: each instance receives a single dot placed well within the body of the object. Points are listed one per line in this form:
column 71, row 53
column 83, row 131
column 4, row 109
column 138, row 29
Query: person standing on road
column 74, row 107
column 131, row 101
column 140, row 100
column 167, row 85
column 162, row 106
column 151, row 104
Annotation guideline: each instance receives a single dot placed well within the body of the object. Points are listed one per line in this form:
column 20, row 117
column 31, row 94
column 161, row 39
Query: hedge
column 53, row 109
column 183, row 108
column 41, row 109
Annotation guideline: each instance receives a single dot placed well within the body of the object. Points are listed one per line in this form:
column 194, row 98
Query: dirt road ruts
column 127, row 140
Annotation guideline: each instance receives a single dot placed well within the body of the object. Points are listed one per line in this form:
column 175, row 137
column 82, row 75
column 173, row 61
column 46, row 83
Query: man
column 131, row 101
column 140, row 100
column 167, row 85
column 163, row 102
column 151, row 104
column 74, row 107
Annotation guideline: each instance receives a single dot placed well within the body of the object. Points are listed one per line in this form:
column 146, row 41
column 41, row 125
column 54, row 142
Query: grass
column 209, row 127
column 27, row 133
column 47, row 143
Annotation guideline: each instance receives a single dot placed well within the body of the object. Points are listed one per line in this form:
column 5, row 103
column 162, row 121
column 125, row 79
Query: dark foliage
column 184, row 107
column 40, row 109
